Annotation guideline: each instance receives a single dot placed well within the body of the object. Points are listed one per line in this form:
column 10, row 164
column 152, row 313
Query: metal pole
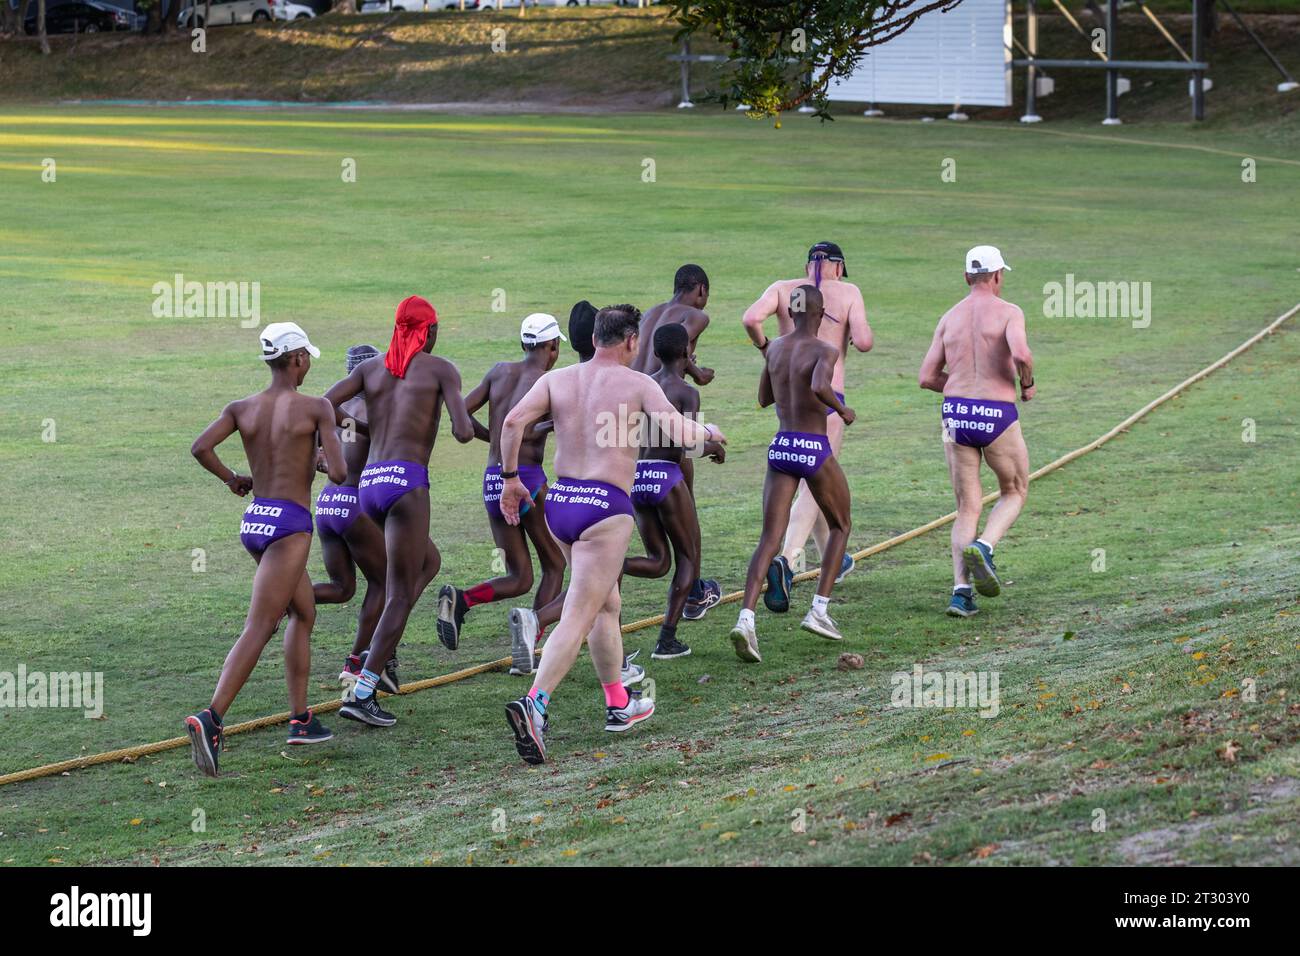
column 1289, row 80
column 686, row 103
column 1198, row 81
column 1031, row 73
column 1112, row 74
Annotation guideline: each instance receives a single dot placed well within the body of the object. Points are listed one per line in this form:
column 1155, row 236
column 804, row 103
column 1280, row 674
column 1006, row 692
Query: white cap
column 280, row 338
column 984, row 259
column 540, row 327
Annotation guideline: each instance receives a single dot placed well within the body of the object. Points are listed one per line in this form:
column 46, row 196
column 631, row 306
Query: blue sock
column 540, row 699
column 366, row 684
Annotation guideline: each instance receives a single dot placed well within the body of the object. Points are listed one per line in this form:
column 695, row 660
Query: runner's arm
column 822, row 379
column 204, row 451
column 860, row 333
column 760, row 312
column 932, row 375
column 476, row 400
column 696, row 322
column 1018, row 341
column 336, row 467
column 765, row 394
column 340, row 392
column 462, row 425
column 536, row 404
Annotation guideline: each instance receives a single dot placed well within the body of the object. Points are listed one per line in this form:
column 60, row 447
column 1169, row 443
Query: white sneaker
column 632, row 673
column 638, row 708
column 523, row 639
column 745, row 641
column 819, row 622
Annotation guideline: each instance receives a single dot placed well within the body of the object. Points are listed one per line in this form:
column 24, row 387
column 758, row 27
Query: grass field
column 1121, row 689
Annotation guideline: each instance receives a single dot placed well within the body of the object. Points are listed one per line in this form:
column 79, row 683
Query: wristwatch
column 507, row 475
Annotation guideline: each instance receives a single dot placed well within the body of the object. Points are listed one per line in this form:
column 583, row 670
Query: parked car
column 225, row 12
column 81, row 16
column 288, row 10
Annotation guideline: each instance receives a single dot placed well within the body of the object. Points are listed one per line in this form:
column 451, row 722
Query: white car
column 225, row 12
column 288, row 10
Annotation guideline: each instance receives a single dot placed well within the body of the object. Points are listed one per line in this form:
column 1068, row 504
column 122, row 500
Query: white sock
column 985, row 543
column 960, row 587
column 746, row 617
column 821, row 604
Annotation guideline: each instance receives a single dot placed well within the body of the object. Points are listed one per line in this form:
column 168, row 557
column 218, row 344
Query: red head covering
column 410, row 332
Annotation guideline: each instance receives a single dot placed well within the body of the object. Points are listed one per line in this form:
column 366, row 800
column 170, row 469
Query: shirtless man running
column 845, row 321
column 798, row 378
column 685, row 308
column 350, row 540
column 979, row 351
column 589, row 511
column 665, row 508
column 279, row 428
column 501, row 389
column 404, row 397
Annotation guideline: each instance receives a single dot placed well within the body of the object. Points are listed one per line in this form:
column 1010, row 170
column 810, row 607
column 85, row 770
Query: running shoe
column 978, row 559
column 632, row 673
column 745, row 641
column 388, row 678
column 351, row 671
column 779, row 581
column 528, row 726
column 523, row 640
column 366, row 711
column 819, row 622
column 637, row 709
column 309, row 731
column 962, row 603
column 846, row 567
column 698, row 604
column 451, row 615
column 669, row 647
column 206, row 738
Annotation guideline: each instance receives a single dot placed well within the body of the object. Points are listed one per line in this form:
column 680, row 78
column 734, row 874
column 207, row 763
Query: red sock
column 480, row 594
column 615, row 694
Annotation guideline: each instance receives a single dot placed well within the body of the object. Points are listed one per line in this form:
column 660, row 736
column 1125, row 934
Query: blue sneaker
column 846, row 567
column 779, row 580
column 962, row 604
column 983, row 573
column 709, row 593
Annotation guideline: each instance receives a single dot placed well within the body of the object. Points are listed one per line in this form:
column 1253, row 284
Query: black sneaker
column 206, row 737
column 669, row 647
column 451, row 615
column 310, row 731
column 528, row 728
column 367, row 711
column 388, row 680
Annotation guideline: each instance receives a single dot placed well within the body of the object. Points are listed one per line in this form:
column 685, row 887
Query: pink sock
column 615, row 694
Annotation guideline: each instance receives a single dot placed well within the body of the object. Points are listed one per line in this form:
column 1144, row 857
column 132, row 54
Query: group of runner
column 626, row 424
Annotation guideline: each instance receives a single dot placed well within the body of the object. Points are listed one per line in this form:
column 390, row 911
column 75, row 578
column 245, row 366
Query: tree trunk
column 344, row 6
column 168, row 17
column 40, row 27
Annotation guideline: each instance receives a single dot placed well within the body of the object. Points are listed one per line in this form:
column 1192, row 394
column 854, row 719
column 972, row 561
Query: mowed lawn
column 1149, row 708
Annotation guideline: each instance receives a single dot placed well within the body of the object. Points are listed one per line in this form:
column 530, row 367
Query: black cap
column 582, row 324
column 830, row 252
column 358, row 354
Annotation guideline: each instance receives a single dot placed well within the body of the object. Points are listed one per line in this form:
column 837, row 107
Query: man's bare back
column 507, row 383
column 668, row 313
column 404, row 412
column 976, row 334
column 279, row 430
column 799, row 372
column 845, row 319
